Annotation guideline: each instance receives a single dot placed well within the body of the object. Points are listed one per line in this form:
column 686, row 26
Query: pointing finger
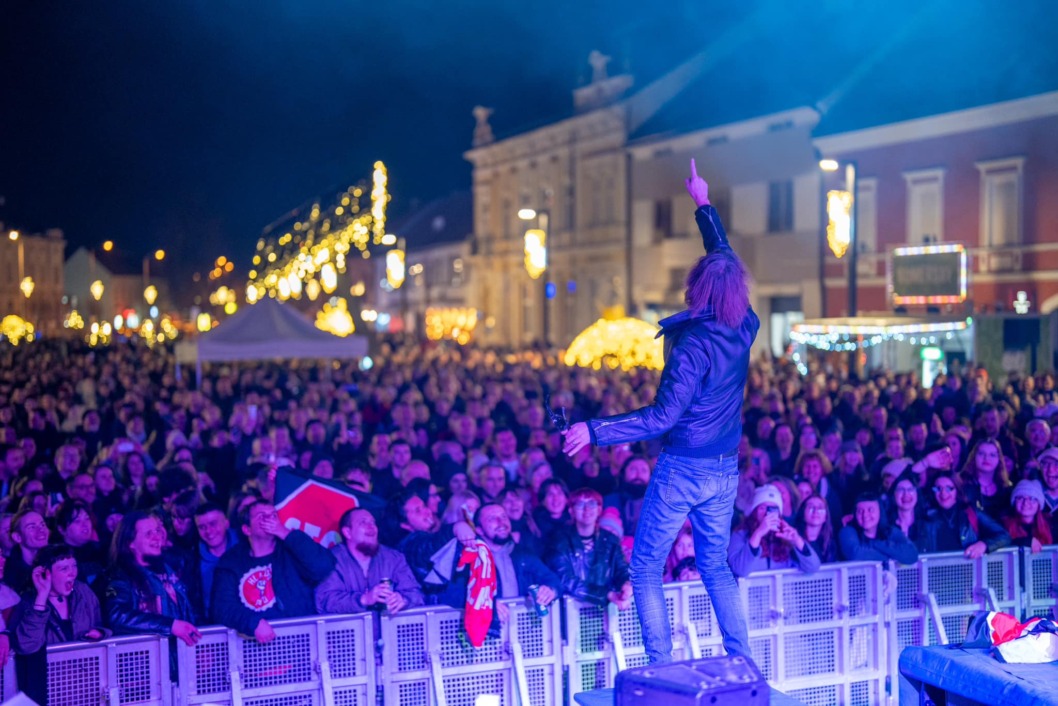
column 694, row 169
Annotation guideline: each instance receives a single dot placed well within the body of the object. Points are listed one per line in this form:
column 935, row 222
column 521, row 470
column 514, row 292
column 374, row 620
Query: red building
column 984, row 177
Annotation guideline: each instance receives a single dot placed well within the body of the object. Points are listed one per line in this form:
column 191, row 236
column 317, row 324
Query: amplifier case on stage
column 712, row 681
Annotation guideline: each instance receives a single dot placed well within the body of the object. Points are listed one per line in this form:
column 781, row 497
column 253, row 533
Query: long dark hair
column 826, row 532
column 124, row 535
column 719, row 281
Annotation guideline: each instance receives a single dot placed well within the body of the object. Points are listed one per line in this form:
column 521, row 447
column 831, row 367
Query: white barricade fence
column 8, row 687
column 937, row 597
column 311, row 662
column 1040, row 577
column 821, row 636
column 427, row 659
column 122, row 670
column 832, row 637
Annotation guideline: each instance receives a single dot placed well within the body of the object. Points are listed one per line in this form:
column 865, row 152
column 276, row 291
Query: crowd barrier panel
column 311, row 662
column 832, row 637
column 1040, row 578
column 122, row 670
column 427, row 659
column 936, row 597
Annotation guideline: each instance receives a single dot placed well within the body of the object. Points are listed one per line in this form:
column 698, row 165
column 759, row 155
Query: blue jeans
column 704, row 489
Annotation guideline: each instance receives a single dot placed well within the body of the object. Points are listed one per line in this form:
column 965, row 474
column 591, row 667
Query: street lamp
column 15, row 237
column 842, row 209
column 536, row 260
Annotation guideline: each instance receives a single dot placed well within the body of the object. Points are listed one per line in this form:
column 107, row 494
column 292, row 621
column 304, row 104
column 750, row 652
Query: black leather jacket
column 588, row 577
column 699, row 399
column 135, row 601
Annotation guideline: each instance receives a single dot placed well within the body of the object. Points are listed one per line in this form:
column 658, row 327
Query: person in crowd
column 271, row 575
column 74, row 523
column 60, row 608
column 8, row 599
column 1037, row 440
column 985, row 480
column 766, row 541
column 813, row 470
column 631, row 490
column 682, row 548
column 953, row 525
column 904, row 509
column 493, row 482
column 552, row 511
column 141, row 592
column 867, row 538
column 813, row 522
column 366, row 574
column 588, row 561
column 1026, row 523
column 1048, row 465
column 215, row 537
column 783, row 451
column 686, row 570
column 505, row 452
column 790, row 494
column 523, row 529
column 30, row 533
column 460, row 507
column 850, row 475
column 516, row 569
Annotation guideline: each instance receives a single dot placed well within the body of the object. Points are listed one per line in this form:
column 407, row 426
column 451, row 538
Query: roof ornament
column 598, row 62
column 482, row 130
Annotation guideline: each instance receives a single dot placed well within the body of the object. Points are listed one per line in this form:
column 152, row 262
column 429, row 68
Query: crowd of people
column 133, row 502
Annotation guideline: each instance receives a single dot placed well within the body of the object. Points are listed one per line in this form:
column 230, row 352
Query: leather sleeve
column 991, row 532
column 684, row 370
column 713, row 235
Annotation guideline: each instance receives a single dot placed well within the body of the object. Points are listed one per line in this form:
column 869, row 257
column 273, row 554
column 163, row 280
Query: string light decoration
column 315, row 240
column 624, row 343
column 335, row 318
column 73, row 320
column 451, row 324
column 16, row 329
column 851, row 337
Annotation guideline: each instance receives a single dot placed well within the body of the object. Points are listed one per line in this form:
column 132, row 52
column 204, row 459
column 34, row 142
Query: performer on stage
column 698, row 407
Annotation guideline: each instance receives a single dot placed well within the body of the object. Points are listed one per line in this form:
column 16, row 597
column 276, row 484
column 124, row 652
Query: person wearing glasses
column 589, row 562
column 953, row 525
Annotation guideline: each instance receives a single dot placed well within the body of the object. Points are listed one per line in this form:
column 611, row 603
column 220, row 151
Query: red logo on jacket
column 255, row 589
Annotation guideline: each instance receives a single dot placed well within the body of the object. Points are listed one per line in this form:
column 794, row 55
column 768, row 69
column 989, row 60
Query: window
column 678, row 278
column 507, row 217
column 780, row 206
column 925, row 206
column 1001, row 201
column 662, row 219
column 867, row 215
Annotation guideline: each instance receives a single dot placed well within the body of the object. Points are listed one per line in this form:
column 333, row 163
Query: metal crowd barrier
column 311, row 662
column 936, row 597
column 832, row 637
column 427, row 659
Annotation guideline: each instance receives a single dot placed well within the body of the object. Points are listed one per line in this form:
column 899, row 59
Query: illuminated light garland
column 335, row 318
column 624, row 343
column 319, row 242
column 932, row 250
column 851, row 337
column 73, row 320
column 379, row 197
column 455, row 324
column 16, row 329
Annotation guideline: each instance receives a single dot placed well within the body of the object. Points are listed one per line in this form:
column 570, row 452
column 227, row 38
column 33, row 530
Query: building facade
column 981, row 177
column 38, row 257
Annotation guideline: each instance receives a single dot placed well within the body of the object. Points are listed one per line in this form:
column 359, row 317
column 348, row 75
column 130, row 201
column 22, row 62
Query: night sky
column 192, row 124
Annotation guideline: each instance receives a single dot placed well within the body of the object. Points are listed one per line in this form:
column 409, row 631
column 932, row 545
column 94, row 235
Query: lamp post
column 536, row 261
column 849, row 240
column 158, row 255
column 842, row 209
column 17, row 239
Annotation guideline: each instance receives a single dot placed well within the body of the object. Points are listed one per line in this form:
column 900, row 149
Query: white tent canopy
column 270, row 330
